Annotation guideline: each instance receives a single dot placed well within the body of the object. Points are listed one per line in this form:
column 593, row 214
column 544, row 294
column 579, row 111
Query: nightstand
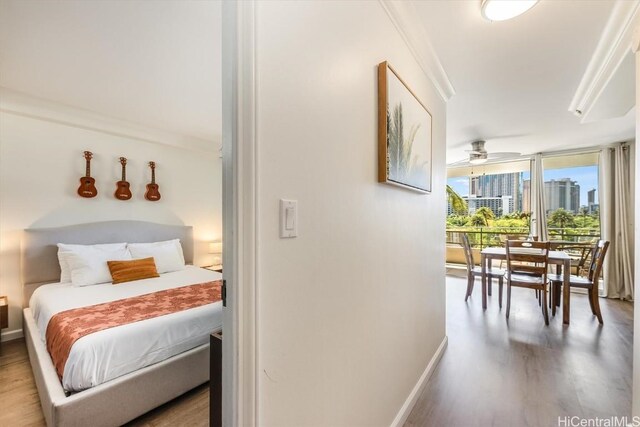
column 4, row 312
column 215, row 383
column 217, row 268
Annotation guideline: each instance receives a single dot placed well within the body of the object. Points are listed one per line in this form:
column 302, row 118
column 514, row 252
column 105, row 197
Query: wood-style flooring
column 493, row 373
column 20, row 405
column 523, row 373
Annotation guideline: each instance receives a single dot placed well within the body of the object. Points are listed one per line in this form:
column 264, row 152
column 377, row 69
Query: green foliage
column 457, row 203
column 486, row 213
column 586, row 221
column 457, row 220
column 518, row 215
column 561, row 218
column 478, row 220
column 506, row 222
column 483, row 232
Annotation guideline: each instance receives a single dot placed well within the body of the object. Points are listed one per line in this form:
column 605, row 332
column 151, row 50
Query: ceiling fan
column 479, row 155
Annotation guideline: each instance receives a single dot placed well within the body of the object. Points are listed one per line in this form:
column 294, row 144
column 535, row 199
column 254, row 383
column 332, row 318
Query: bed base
column 119, row 400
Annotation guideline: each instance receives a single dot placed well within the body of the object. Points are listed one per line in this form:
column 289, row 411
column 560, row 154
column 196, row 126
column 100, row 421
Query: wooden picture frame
column 404, row 159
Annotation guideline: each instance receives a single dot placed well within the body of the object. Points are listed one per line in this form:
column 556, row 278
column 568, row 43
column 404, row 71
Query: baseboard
column 11, row 335
column 404, row 412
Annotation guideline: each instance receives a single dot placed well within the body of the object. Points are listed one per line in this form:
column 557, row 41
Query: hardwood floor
column 523, row 373
column 20, row 405
column 18, row 395
column 493, row 373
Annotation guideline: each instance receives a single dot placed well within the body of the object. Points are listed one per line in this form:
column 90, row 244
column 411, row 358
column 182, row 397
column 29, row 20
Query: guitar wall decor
column 152, row 194
column 87, row 184
column 122, row 187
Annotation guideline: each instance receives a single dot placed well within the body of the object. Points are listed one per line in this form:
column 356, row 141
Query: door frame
column 240, row 214
column 635, row 398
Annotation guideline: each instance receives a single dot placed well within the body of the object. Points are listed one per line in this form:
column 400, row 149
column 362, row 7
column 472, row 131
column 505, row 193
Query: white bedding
column 108, row 354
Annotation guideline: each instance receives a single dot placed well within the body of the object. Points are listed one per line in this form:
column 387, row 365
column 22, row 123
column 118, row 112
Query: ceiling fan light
column 478, row 160
column 501, row 10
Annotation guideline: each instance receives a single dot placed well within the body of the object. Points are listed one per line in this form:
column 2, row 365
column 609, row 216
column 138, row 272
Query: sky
column 586, row 176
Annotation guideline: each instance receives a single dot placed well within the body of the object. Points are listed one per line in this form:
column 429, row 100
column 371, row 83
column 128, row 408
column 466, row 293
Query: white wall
column 352, row 311
column 41, row 162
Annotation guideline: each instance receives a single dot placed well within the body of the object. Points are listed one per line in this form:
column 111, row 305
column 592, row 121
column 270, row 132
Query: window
column 571, row 197
column 497, row 203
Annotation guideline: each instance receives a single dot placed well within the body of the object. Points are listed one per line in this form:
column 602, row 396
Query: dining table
column 560, row 259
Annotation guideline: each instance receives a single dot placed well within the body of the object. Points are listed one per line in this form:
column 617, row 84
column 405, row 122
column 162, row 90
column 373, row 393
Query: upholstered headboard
column 40, row 253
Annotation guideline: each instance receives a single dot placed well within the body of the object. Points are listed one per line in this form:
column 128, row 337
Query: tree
column 478, row 221
column 561, row 218
column 458, row 204
column 457, row 220
column 486, row 213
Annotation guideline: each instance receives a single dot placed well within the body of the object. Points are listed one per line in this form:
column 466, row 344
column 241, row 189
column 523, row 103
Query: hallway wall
column 352, row 311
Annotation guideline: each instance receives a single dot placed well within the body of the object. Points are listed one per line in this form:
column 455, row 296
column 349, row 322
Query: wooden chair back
column 468, row 254
column 531, row 258
column 597, row 260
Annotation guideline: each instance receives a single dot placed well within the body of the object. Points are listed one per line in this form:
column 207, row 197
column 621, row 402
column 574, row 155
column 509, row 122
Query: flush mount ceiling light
column 500, row 10
column 477, row 160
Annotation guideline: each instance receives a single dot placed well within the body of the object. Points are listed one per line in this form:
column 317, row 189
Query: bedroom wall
column 352, row 311
column 40, row 164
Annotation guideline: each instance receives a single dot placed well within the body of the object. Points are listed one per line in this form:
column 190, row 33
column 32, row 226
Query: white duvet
column 105, row 355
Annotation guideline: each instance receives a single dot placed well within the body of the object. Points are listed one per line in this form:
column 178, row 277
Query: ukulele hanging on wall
column 122, row 187
column 152, row 194
column 87, row 184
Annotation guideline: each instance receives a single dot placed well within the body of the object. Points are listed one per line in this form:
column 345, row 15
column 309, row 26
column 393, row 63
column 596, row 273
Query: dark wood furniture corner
column 4, row 313
column 215, row 380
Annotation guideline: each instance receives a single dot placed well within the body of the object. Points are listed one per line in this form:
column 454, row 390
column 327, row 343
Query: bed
column 174, row 361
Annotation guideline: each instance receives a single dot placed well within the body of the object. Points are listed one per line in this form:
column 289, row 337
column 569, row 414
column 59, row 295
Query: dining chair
column 590, row 283
column 580, row 255
column 517, row 237
column 585, row 255
column 522, row 237
column 527, row 264
column 474, row 271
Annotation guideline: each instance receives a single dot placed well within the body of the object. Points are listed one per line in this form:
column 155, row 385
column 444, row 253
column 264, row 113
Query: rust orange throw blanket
column 66, row 327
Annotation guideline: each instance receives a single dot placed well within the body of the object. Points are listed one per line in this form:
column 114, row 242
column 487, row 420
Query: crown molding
column 403, row 16
column 21, row 104
column 615, row 42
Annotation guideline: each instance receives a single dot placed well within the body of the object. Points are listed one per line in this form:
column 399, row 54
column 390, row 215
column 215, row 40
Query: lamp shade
column 215, row 247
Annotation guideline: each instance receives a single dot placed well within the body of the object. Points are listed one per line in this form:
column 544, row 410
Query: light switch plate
column 288, row 218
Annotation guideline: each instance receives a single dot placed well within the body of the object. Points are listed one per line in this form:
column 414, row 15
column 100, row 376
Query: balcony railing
column 482, row 237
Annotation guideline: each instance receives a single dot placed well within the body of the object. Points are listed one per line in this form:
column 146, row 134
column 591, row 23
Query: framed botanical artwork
column 404, row 134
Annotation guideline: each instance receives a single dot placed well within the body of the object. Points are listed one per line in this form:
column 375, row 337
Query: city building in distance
column 562, row 193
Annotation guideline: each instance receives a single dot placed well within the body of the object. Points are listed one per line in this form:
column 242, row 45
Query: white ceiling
column 154, row 63
column 158, row 64
column 515, row 79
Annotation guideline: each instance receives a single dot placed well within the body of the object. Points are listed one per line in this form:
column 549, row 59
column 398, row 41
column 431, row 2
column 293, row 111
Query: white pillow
column 88, row 263
column 167, row 255
column 64, row 249
column 65, row 271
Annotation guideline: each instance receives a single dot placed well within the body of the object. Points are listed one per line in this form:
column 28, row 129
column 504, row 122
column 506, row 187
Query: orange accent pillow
column 130, row 270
